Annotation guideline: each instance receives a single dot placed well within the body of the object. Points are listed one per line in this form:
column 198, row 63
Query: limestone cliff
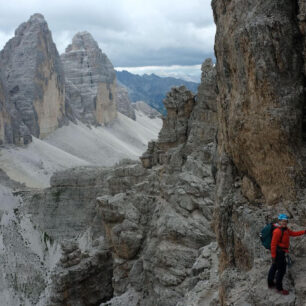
column 90, row 81
column 34, row 80
column 147, row 241
column 124, row 105
column 261, row 142
column 226, row 162
column 260, row 103
column 157, row 226
column 5, row 124
column 190, row 122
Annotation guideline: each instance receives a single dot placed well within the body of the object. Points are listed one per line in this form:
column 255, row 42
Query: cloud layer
column 131, row 32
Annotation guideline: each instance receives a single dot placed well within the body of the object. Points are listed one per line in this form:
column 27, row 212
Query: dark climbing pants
column 278, row 268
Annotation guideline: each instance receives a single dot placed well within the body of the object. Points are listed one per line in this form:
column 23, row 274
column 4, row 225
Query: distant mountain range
column 151, row 88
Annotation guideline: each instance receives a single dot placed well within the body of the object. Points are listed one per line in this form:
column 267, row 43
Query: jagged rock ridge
column 146, row 231
column 157, row 220
column 36, row 98
column 33, row 79
column 90, row 80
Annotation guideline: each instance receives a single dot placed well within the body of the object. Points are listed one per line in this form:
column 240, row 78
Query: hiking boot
column 271, row 286
column 283, row 292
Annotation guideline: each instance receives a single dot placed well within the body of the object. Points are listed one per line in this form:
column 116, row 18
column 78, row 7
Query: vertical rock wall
column 124, row 105
column 4, row 117
column 190, row 121
column 34, row 80
column 260, row 81
column 90, row 81
column 260, row 51
column 156, row 227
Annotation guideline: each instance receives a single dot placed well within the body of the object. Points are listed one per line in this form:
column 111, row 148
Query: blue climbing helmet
column 283, row 217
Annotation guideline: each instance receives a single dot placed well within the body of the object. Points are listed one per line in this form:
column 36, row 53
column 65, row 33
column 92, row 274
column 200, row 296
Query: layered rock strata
column 143, row 242
column 156, row 228
column 190, row 120
column 260, row 160
column 34, row 80
column 90, row 81
column 260, row 81
column 5, row 122
column 179, row 104
column 124, row 105
column 76, row 264
column 82, row 278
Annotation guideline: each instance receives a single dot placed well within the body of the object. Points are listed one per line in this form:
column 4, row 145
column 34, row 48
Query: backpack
column 266, row 235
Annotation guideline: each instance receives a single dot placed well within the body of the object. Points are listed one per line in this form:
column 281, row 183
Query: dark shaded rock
column 82, row 280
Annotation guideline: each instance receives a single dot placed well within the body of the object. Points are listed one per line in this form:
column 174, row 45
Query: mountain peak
column 35, row 22
column 37, row 18
column 90, row 80
column 82, row 40
column 32, row 69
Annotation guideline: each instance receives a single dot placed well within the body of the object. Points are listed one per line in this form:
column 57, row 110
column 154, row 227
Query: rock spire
column 33, row 79
column 90, row 80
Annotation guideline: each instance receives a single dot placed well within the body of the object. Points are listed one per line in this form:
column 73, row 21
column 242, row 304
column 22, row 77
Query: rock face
column 156, row 227
column 302, row 25
column 81, row 278
column 57, row 239
column 5, row 122
column 261, row 121
column 90, row 81
column 179, row 104
column 123, row 102
column 145, row 234
column 260, row 79
column 189, row 121
column 34, row 80
column 147, row 241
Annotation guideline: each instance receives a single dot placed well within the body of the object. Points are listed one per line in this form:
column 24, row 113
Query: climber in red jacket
column 279, row 247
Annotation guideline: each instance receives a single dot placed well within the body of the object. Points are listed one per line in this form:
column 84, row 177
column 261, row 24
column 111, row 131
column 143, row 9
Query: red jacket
column 282, row 242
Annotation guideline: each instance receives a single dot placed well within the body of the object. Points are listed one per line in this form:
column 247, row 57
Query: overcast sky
column 132, row 33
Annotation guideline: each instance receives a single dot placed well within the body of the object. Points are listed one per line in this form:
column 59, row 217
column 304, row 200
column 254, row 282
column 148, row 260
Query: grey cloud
column 130, row 32
column 162, row 57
